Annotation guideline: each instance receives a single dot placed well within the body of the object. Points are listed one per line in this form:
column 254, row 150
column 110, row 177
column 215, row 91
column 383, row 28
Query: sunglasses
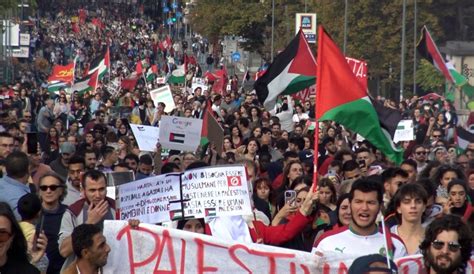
column 52, row 187
column 452, row 246
column 4, row 236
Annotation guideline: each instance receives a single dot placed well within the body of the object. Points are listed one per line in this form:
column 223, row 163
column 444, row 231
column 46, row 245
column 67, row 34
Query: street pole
column 414, row 46
column 345, row 27
column 402, row 66
column 273, row 29
column 305, row 7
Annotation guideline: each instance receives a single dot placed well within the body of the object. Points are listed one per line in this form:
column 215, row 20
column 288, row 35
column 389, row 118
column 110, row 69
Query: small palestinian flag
column 463, row 138
column 177, row 138
column 210, row 212
column 291, row 71
column 176, row 215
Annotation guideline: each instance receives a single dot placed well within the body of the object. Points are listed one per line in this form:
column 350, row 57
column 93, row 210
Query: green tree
column 429, row 78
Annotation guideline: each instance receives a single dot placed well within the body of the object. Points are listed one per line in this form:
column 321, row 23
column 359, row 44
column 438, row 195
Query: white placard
column 161, row 80
column 163, row 94
column 198, row 83
column 22, row 52
column 146, row 136
column 180, row 133
column 148, row 200
column 216, row 191
column 24, row 39
column 404, row 132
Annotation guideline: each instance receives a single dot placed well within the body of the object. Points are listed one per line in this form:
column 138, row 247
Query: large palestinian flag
column 291, row 71
column 101, row 63
column 341, row 98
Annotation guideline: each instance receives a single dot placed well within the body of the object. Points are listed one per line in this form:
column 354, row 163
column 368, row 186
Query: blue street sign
column 236, row 56
column 166, row 10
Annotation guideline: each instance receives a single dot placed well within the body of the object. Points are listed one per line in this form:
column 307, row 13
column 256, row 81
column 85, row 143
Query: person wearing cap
column 373, row 263
column 447, row 246
column 60, row 165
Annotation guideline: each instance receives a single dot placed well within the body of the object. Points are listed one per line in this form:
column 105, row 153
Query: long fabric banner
column 156, row 249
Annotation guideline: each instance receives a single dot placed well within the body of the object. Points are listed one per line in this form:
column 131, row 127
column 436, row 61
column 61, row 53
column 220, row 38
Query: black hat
column 362, row 265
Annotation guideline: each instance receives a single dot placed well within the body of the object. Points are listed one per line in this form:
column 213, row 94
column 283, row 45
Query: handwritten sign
column 163, row 94
column 146, row 136
column 216, row 191
column 154, row 249
column 148, row 199
column 180, row 133
column 199, row 83
column 404, row 132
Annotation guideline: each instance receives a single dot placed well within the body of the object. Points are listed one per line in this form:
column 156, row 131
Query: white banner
column 198, row 83
column 154, row 249
column 163, row 94
column 148, row 199
column 146, row 136
column 180, row 133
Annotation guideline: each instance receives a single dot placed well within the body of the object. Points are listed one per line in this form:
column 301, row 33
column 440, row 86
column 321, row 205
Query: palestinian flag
column 340, row 97
column 177, row 76
column 62, row 73
column 56, row 86
column 176, row 215
column 177, row 138
column 101, row 63
column 463, row 138
column 210, row 212
column 151, row 73
column 85, row 84
column 291, row 71
column 427, row 49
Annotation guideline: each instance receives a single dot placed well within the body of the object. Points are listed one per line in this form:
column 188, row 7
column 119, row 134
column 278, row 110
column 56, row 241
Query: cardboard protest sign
column 216, row 191
column 146, row 136
column 154, row 249
column 404, row 132
column 163, row 94
column 180, row 133
column 148, row 199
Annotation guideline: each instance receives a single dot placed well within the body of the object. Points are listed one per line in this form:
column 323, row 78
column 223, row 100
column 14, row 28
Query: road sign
column 307, row 22
column 236, row 56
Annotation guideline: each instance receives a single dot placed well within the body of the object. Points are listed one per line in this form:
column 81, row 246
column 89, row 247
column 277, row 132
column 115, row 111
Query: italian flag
column 291, row 71
column 341, row 98
column 101, row 64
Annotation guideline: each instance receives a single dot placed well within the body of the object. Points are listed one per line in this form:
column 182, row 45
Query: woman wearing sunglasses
column 52, row 191
column 14, row 256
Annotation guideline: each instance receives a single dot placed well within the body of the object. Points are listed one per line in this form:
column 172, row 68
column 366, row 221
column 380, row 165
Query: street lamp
column 273, row 29
column 402, row 66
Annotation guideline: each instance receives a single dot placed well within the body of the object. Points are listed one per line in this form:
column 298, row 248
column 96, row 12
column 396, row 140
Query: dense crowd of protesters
column 425, row 202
